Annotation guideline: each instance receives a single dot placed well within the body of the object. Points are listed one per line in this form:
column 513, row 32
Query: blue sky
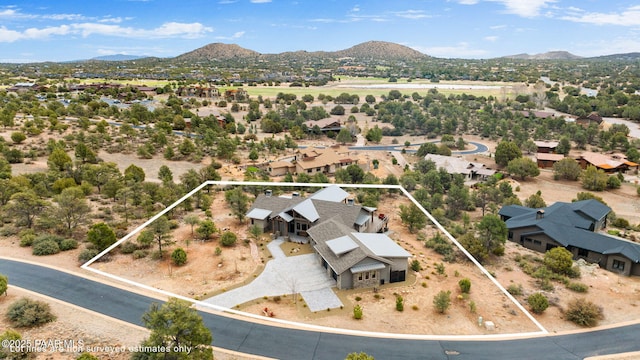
column 62, row 30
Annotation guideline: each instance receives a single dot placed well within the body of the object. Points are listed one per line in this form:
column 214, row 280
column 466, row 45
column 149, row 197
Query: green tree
column 165, row 175
column 238, row 201
column 175, row 325
column 25, row 207
column 5, row 168
column 413, row 217
column 559, row 260
column 206, row 229
column 192, row 220
column 344, row 136
column 101, row 236
column 84, row 153
column 100, row 174
column 492, row 231
column 58, row 160
column 507, row 151
column 465, row 285
column 179, row 257
column 567, row 169
column 442, row 301
column 535, row 201
column 564, row 146
column 523, row 167
column 160, row 229
column 374, row 134
column 594, row 179
column 134, row 174
column 457, row 200
column 72, row 208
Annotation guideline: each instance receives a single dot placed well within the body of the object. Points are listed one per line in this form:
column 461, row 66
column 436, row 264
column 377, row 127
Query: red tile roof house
column 575, row 226
column 347, row 237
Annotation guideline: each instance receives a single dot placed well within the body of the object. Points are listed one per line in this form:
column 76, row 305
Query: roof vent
column 351, row 201
column 295, row 194
column 540, row 214
column 268, row 192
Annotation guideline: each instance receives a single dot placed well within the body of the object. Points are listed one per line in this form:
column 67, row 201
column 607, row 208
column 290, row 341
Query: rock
column 489, row 325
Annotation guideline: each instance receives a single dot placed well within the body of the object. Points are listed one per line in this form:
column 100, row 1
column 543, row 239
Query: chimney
column 540, row 214
column 295, row 194
column 268, row 192
column 350, row 201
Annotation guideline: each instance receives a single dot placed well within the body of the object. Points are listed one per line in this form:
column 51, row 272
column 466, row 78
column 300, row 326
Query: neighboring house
column 456, row 165
column 608, row 163
column 547, row 147
column 347, row 237
column 546, row 160
column 593, row 118
column 328, row 124
column 315, row 160
column 280, row 168
column 575, row 227
column 537, row 114
column 356, row 259
column 22, row 87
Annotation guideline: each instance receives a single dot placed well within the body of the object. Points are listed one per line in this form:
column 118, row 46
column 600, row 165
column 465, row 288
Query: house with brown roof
column 593, row 118
column 612, row 163
column 546, row 146
column 325, row 125
column 280, row 168
column 546, row 160
column 311, row 161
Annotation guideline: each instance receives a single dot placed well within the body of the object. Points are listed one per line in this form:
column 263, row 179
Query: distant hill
column 551, row 55
column 117, row 57
column 371, row 50
column 218, row 51
column 625, row 56
column 381, row 50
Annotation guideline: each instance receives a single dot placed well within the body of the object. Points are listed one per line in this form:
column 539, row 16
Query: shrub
column 621, row 223
column 358, row 298
column 48, row 237
column 139, row 254
column 87, row 356
column 465, row 285
column 357, row 312
column 515, row 289
column 399, row 303
column 442, row 301
column 440, row 268
column 538, row 303
column 179, row 256
column 26, row 237
column 559, row 260
column 26, row 313
column 128, row 247
column 87, row 254
column 7, row 352
column 415, row 265
column 583, row 313
column 46, row 247
column 228, row 238
column 68, row 244
column 577, row 287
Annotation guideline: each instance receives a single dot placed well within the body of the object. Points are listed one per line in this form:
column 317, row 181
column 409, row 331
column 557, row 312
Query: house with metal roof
column 458, row 165
column 347, row 237
column 575, row 226
column 355, row 259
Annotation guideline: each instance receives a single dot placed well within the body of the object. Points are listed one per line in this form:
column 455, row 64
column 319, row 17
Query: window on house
column 618, row 265
column 510, row 235
column 537, row 242
column 366, row 276
column 583, row 252
column 373, row 274
column 309, row 171
column 528, row 240
column 360, row 276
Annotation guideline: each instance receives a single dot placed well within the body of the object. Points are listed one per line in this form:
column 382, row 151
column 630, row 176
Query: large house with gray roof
column 347, row 237
column 574, row 226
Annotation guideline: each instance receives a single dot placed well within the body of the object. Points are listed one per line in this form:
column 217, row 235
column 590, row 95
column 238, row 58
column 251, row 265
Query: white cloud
column 412, row 14
column 498, row 27
column 166, row 30
column 628, row 17
column 467, row 2
column 260, row 1
column 524, row 8
column 491, row 38
column 620, row 45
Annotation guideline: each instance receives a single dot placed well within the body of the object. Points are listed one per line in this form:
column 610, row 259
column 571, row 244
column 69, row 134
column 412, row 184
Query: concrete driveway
column 285, row 275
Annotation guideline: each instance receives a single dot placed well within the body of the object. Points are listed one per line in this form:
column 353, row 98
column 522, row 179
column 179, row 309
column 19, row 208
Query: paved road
column 479, row 148
column 282, row 343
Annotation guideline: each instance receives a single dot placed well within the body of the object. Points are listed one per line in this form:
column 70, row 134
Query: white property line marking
column 201, row 304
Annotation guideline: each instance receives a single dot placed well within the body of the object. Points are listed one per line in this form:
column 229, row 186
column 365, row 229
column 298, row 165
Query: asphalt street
column 283, row 343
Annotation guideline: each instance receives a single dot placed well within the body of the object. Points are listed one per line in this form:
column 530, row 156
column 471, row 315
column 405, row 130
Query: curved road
column 283, row 343
column 480, row 148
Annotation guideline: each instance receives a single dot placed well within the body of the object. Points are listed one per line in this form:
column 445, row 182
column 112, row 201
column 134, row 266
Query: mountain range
column 370, row 50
